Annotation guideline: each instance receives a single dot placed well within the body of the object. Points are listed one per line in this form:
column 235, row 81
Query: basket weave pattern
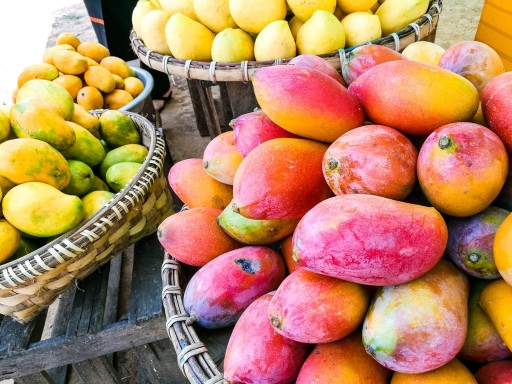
column 421, row 29
column 31, row 283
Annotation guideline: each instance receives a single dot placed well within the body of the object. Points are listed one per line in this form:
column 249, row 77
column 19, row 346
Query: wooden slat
column 97, row 370
column 194, row 88
column 158, row 363
column 36, row 378
column 241, row 97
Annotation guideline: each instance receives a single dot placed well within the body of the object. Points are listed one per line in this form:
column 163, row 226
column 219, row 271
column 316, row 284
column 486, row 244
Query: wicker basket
column 31, row 283
column 422, row 29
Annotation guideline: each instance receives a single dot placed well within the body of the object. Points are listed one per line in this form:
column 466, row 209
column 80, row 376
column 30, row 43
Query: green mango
column 99, row 185
column 117, row 129
column 94, row 201
column 82, row 178
column 120, row 174
column 86, row 148
column 128, row 152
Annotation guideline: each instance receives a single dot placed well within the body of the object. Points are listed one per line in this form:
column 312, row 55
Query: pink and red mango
column 313, row 308
column 316, row 62
column 221, row 290
column 496, row 106
column 420, row 325
column 364, row 57
column 372, row 159
column 473, row 60
column 369, row 239
column 414, row 97
column 280, row 179
column 286, row 250
column 253, row 128
column 497, row 372
column 221, row 158
column 483, row 344
column 193, row 236
column 196, row 188
column 462, row 168
column 341, row 362
column 256, row 353
column 306, row 102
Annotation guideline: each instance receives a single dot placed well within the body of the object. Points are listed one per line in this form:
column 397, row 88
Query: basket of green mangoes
column 77, row 187
column 228, row 40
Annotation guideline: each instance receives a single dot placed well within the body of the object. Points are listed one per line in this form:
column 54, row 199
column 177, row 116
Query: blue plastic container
column 136, row 104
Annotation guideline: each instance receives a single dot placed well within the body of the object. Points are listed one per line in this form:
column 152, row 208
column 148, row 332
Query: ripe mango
column 306, row 102
column 280, row 179
column 72, row 83
column 94, row 201
column 70, row 62
column 41, row 210
column 407, row 322
column 257, row 354
column 23, row 160
column 341, row 362
column 87, row 120
column 275, row 41
column 187, row 39
column 193, row 236
column 101, row 78
column 253, row 15
column 221, row 158
column 218, row 302
column 502, row 249
column 37, row 71
column 117, row 99
column 316, row 62
column 497, row 372
column 93, row 50
column 9, row 240
column 496, row 301
column 37, row 119
column 195, row 187
column 50, row 51
column 294, row 308
column 116, row 66
column 117, row 129
column 214, row 14
column 453, row 372
column 370, row 239
column 5, row 125
column 387, row 90
column 397, row 14
column 90, row 98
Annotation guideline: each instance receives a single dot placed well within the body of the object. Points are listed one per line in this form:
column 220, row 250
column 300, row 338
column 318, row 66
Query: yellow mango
column 94, row 201
column 188, row 39
column 24, row 160
column 85, row 119
column 502, row 249
column 139, row 11
column 116, row 66
column 38, row 71
column 117, row 99
column 41, row 210
column 9, row 240
column 133, row 85
column 305, row 9
column 72, row 83
column 93, row 50
column 37, row 119
column 70, row 62
column 5, row 126
column 214, row 14
column 496, row 302
column 101, row 78
column 453, row 372
column 153, row 31
column 395, row 15
column 90, row 98
column 68, row 38
column 49, row 52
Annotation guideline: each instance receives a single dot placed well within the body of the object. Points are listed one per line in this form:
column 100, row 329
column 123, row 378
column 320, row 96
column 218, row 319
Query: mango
column 387, row 90
column 280, row 179
column 316, row 62
column 116, row 66
column 502, row 249
column 68, row 38
column 453, row 372
column 37, row 119
column 87, row 120
column 483, row 344
column 25, row 247
column 50, row 92
column 71, row 83
column 140, row 10
column 286, row 248
column 253, row 128
column 188, row 39
column 257, row 354
column 117, row 129
column 153, row 31
column 9, row 240
column 120, row 174
column 221, row 159
column 295, row 24
column 471, row 239
column 117, row 99
column 497, row 372
column 195, row 187
column 406, row 322
column 193, row 236
column 349, row 6
column 462, row 168
column 424, row 51
column 473, row 60
column 93, row 50
column 341, row 362
column 37, row 71
column 360, row 28
column 321, row 112
column 275, row 41
column 304, row 10
column 133, row 85
column 86, row 147
column 214, row 14
column 136, row 153
column 50, row 51
column 372, row 159
column 254, row 232
column 216, row 302
column 82, row 178
column 496, row 101
column 370, row 239
column 185, row 7
column 99, row 185
column 24, row 160
column 101, row 78
column 41, row 210
column 253, row 15
column 395, row 15
column 495, row 301
column 5, row 126
column 232, row 45
column 70, row 62
column 94, row 201
column 294, row 308
column 322, row 33
column 90, row 98
column 362, row 58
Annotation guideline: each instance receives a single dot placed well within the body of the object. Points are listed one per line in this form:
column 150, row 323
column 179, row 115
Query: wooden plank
column 158, row 364
column 224, row 107
column 209, row 109
column 194, row 89
column 15, row 336
column 36, row 378
column 97, row 370
column 241, row 97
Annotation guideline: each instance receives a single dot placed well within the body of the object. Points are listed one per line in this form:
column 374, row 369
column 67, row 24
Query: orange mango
column 221, row 158
column 306, row 102
column 496, row 302
column 453, row 372
column 414, row 97
column 502, row 249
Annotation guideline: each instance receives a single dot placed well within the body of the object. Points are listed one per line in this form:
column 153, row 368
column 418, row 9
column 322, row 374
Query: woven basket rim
column 243, row 71
column 78, row 239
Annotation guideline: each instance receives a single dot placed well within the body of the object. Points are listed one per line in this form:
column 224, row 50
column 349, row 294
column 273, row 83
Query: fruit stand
column 324, row 231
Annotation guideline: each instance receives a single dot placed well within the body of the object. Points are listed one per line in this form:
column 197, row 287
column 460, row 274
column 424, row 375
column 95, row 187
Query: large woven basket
column 422, row 29
column 31, row 283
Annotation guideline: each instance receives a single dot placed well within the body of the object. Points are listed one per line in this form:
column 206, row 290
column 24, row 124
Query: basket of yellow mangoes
column 228, row 40
column 76, row 188
column 94, row 78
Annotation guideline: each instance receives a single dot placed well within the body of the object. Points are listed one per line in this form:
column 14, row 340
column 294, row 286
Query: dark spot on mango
column 444, row 142
column 205, row 164
column 370, row 350
column 473, row 257
column 246, row 265
column 235, row 208
column 332, row 164
column 276, row 321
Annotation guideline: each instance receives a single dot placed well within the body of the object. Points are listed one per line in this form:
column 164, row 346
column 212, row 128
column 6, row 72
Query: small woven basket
column 422, row 29
column 33, row 282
